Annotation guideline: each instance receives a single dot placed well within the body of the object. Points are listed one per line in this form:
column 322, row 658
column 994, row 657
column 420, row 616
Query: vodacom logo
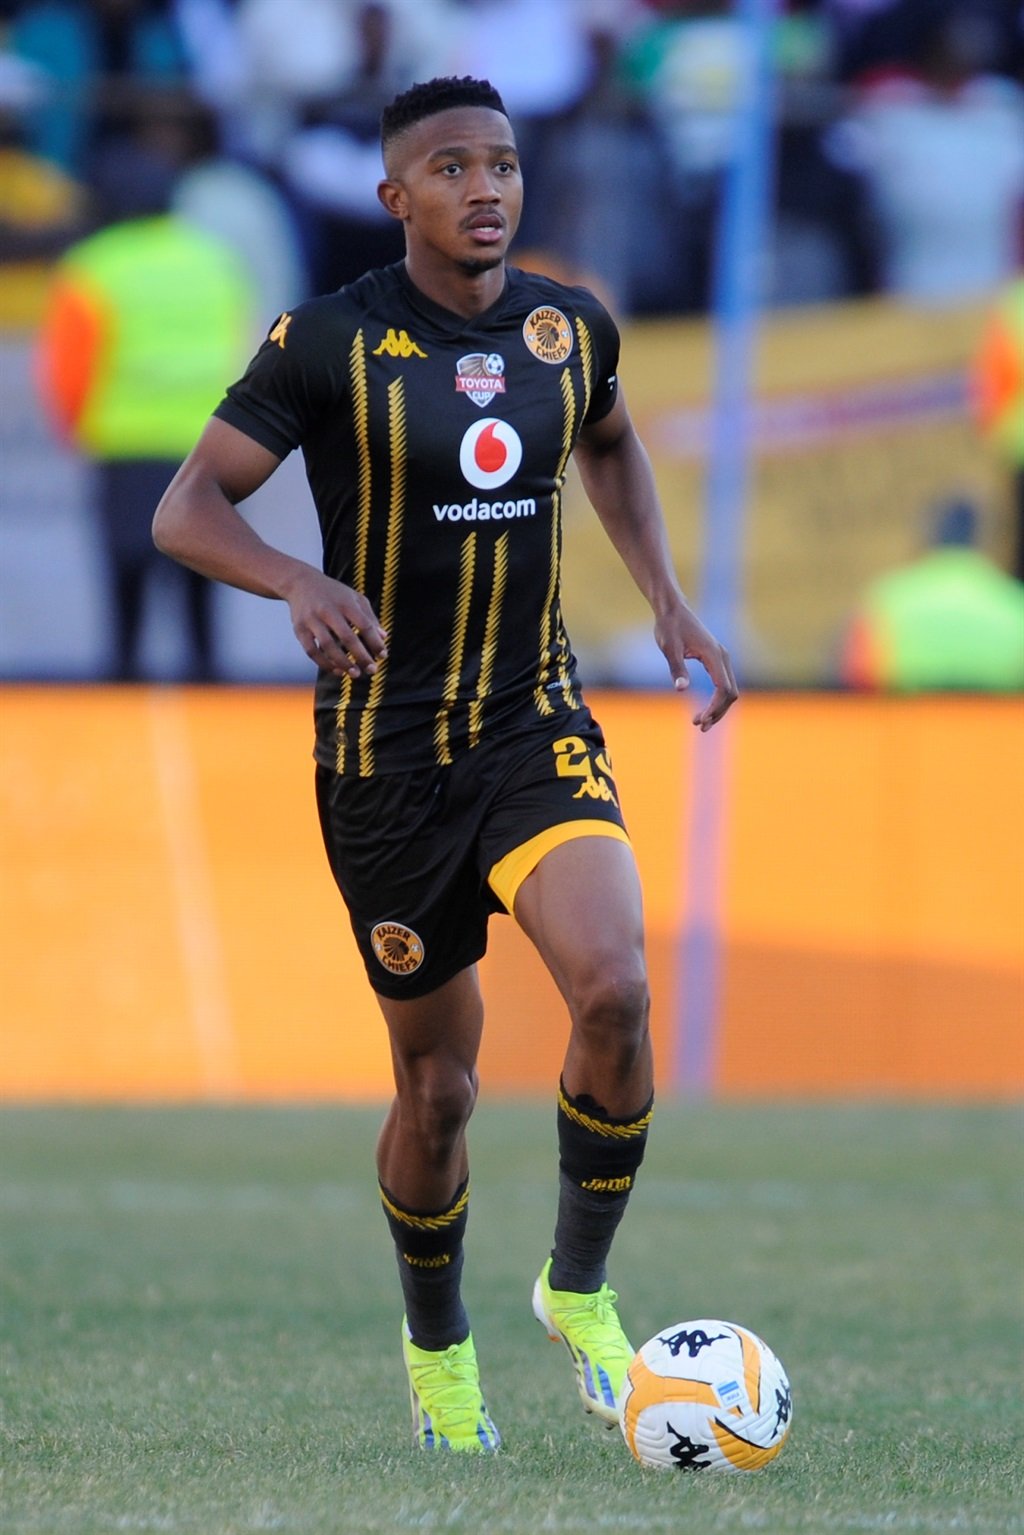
column 490, row 454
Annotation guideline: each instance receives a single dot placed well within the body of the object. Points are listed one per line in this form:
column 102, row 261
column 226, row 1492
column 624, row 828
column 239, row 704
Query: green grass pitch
column 199, row 1323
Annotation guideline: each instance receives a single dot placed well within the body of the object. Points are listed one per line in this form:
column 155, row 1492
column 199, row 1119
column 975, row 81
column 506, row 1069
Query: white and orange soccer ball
column 705, row 1395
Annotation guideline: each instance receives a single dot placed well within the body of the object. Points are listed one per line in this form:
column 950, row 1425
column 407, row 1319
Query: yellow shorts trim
column 509, row 872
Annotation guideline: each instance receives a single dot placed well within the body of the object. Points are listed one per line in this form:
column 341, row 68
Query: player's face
column 456, row 185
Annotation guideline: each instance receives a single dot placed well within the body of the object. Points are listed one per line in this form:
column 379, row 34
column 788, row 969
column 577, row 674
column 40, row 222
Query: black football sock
column 428, row 1246
column 598, row 1161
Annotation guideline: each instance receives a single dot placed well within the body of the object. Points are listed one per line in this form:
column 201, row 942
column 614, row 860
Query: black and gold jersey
column 436, row 450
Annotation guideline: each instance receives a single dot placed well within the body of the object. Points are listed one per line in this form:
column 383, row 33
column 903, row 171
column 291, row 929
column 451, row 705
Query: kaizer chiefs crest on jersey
column 436, row 450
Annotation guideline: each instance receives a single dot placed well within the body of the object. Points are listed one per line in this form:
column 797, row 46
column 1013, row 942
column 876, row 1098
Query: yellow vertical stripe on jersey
column 389, row 583
column 490, row 647
column 548, row 627
column 562, row 640
column 456, row 650
column 587, row 356
column 360, row 416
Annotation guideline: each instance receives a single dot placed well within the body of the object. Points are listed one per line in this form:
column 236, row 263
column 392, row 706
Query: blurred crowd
column 899, row 156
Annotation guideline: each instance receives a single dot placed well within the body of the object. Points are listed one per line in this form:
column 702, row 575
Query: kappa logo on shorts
column 480, row 375
column 398, row 948
column 548, row 334
column 573, row 760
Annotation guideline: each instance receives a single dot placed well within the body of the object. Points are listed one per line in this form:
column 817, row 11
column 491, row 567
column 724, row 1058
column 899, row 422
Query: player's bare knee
column 611, row 1006
column 439, row 1101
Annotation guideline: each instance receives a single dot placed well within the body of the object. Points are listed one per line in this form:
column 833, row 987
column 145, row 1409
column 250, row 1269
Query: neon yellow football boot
column 589, row 1327
column 448, row 1411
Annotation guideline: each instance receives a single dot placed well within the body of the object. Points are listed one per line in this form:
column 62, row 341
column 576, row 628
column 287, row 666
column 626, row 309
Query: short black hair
column 431, row 96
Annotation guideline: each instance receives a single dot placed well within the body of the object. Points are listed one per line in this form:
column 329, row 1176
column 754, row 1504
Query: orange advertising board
column 170, row 929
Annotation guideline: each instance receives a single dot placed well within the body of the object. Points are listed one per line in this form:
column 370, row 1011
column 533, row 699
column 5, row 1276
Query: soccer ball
column 705, row 1395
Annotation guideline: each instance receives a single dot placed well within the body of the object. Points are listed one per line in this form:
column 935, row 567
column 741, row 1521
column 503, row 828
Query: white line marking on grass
column 193, row 891
column 888, row 1519
column 264, row 1518
column 146, row 1522
column 783, row 1194
column 560, row 1522
column 133, row 1197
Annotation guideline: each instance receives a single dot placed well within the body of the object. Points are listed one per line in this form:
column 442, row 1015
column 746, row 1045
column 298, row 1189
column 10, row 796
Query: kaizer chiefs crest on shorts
column 398, row 948
column 548, row 334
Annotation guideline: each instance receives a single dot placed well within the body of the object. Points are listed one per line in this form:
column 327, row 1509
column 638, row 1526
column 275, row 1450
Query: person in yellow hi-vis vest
column 949, row 620
column 142, row 322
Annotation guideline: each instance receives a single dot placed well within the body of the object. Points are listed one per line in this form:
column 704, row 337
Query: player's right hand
column 336, row 626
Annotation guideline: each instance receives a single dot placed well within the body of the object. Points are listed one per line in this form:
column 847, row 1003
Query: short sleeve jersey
column 436, row 450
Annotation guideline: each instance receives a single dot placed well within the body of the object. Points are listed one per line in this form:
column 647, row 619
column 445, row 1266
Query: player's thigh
column 437, row 1034
column 582, row 908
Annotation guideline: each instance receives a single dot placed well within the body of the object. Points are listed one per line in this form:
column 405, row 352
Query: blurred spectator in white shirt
column 296, row 53
column 537, row 54
column 599, row 181
column 245, row 208
column 209, row 30
column 332, row 163
column 943, row 150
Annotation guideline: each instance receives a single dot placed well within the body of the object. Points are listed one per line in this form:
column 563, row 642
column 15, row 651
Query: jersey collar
column 447, row 319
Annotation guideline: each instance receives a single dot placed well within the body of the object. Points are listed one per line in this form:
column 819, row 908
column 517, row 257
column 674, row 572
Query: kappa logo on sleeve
column 280, row 330
column 398, row 343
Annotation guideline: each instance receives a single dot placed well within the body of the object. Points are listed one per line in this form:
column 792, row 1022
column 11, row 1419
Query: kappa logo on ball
column 705, row 1395
column 548, row 334
column 490, row 454
column 398, row 948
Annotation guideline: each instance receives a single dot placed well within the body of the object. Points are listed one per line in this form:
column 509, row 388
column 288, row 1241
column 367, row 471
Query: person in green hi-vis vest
column 142, row 321
column 950, row 620
column 997, row 378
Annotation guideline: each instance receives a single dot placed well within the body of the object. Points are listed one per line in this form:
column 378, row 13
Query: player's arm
column 619, row 481
column 198, row 524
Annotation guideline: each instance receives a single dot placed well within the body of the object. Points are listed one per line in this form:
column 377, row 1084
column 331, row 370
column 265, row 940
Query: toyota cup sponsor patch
column 481, row 375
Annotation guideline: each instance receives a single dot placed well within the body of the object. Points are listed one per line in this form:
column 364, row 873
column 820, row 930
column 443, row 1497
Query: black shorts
column 423, row 859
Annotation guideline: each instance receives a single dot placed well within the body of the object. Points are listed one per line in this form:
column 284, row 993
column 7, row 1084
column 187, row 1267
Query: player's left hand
column 682, row 637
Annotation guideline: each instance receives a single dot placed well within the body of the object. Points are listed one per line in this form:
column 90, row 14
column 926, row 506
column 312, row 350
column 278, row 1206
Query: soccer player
column 459, row 772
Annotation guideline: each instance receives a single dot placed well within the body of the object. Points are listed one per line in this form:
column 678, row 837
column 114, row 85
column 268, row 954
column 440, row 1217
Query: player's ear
column 392, row 197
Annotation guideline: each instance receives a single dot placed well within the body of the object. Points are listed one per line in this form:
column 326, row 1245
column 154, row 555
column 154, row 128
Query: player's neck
column 464, row 292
